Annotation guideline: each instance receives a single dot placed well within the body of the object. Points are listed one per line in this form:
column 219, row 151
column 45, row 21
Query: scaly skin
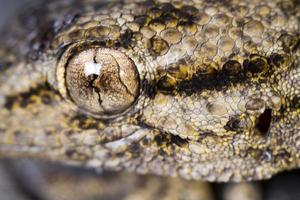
column 218, row 87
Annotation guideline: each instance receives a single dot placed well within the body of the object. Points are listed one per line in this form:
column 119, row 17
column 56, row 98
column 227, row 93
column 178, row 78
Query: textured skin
column 219, row 88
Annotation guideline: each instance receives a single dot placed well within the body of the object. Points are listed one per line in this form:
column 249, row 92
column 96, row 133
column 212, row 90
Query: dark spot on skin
column 70, row 153
column 126, row 39
column 46, row 98
column 156, row 22
column 167, row 8
column 25, row 99
column 276, row 60
column 141, row 20
column 169, row 140
column 166, row 84
column 167, row 17
column 161, row 139
column 154, row 12
column 282, row 110
column 190, row 10
column 24, row 102
column 234, row 124
column 288, row 42
column 145, row 142
column 297, row 46
column 255, row 66
column 84, row 122
column 162, row 152
column 179, row 141
column 180, row 14
column 281, row 156
column 120, row 154
column 204, row 134
column 135, row 149
column 295, row 103
column 177, row 70
column 264, row 121
column 9, row 102
column 207, row 74
column 185, row 26
column 150, row 89
column 231, row 68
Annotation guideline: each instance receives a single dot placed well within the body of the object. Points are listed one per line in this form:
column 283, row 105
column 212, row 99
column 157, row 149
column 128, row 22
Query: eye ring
column 99, row 81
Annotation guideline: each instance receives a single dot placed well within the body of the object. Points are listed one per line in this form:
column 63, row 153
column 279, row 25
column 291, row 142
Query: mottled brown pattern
column 218, row 95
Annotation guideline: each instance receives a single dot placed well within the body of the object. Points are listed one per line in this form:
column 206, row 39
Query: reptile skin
column 202, row 90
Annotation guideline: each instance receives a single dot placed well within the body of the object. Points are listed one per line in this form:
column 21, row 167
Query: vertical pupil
column 91, row 82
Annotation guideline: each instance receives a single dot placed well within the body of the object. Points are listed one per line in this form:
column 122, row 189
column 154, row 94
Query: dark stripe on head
column 23, row 100
column 254, row 69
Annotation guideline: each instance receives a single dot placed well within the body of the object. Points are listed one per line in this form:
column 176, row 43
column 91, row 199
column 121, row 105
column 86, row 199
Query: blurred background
column 8, row 8
column 8, row 189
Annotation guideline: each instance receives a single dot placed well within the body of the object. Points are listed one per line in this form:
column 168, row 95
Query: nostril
column 264, row 121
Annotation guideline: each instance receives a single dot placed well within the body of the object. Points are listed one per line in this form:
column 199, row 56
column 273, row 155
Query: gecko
column 200, row 90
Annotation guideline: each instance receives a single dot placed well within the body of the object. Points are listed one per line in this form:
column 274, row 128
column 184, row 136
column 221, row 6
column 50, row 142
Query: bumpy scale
column 196, row 89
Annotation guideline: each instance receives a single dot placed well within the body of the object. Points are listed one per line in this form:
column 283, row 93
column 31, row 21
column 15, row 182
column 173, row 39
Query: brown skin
column 218, row 95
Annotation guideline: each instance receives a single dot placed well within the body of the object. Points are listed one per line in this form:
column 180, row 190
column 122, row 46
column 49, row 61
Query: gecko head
column 155, row 88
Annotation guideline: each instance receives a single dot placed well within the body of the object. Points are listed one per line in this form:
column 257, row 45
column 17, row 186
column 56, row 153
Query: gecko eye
column 102, row 81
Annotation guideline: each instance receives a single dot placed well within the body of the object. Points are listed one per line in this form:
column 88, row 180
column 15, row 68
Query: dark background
column 8, row 8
